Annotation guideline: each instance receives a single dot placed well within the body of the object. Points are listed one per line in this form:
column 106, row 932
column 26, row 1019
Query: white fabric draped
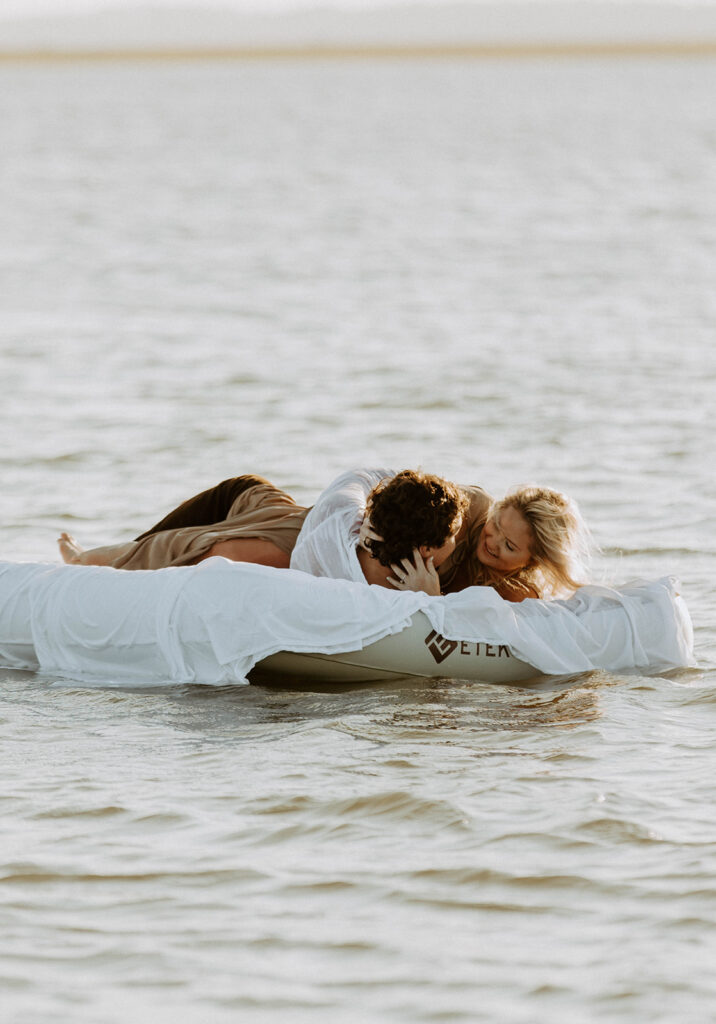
column 212, row 622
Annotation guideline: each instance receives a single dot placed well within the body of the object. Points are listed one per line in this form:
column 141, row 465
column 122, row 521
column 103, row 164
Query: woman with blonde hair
column 531, row 543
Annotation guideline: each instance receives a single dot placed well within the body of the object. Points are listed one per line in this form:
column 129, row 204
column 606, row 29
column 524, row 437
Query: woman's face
column 505, row 541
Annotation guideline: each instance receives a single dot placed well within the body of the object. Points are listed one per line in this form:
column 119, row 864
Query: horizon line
column 702, row 48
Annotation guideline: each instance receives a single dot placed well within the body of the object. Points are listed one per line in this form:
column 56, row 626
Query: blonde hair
column 561, row 543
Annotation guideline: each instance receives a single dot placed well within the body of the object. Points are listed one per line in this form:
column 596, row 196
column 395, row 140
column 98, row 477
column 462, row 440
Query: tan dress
column 262, row 512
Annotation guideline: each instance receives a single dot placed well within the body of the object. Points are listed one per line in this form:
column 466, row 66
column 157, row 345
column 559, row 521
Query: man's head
column 415, row 510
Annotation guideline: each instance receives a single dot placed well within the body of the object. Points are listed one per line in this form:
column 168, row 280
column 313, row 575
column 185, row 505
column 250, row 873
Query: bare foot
column 69, row 549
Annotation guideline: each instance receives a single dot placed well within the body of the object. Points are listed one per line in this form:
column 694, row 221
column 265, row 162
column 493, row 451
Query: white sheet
column 212, row 622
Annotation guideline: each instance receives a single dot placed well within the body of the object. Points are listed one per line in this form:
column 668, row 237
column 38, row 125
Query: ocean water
column 502, row 271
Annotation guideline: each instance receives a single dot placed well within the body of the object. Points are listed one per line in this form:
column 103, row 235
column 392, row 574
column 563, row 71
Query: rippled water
column 502, row 271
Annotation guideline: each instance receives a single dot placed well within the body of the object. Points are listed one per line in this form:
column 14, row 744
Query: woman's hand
column 416, row 575
column 366, row 535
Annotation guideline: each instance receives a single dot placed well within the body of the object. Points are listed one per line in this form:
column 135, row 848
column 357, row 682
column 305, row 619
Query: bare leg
column 73, row 554
column 250, row 549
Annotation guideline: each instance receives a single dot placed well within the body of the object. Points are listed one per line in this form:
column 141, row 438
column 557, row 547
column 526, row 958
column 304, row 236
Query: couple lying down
column 407, row 530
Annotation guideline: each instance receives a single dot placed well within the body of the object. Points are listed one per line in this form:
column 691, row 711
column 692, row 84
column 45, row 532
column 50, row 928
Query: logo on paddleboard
column 439, row 646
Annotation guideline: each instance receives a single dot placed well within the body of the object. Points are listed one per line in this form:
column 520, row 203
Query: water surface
column 502, row 271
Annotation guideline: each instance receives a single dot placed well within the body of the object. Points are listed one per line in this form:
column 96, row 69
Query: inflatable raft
column 218, row 621
column 417, row 650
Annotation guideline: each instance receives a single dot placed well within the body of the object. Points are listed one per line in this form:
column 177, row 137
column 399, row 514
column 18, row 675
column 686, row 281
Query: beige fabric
column 263, row 511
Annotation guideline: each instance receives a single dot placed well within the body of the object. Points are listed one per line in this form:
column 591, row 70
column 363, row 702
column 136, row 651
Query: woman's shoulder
column 479, row 503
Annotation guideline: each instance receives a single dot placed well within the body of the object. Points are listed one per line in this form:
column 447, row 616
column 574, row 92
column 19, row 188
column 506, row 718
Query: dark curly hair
column 410, row 510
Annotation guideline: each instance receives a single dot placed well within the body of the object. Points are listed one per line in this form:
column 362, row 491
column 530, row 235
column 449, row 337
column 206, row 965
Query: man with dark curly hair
column 414, row 510
column 413, row 518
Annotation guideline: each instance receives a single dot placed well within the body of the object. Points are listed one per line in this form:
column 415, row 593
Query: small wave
column 658, row 550
column 398, row 805
column 700, row 697
column 64, row 459
column 22, row 873
column 89, row 812
column 329, row 816
column 618, row 830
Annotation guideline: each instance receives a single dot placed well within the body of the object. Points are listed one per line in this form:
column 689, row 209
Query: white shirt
column 326, row 545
